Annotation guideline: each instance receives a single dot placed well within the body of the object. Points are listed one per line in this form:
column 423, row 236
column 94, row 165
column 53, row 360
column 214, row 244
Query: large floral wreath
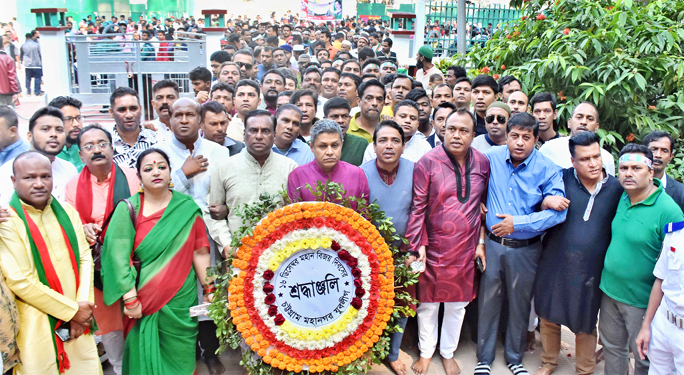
column 280, row 236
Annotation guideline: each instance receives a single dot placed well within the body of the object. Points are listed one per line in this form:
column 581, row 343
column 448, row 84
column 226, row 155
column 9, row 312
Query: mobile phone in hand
column 479, row 264
column 64, row 332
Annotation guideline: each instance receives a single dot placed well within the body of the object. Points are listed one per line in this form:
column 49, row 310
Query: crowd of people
column 111, row 230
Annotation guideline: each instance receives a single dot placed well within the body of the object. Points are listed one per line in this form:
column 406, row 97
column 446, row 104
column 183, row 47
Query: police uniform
column 666, row 348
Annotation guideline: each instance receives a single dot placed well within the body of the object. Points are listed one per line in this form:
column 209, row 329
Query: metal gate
column 98, row 65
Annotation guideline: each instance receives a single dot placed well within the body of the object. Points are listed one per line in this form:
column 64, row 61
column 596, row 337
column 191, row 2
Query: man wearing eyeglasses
column 94, row 193
column 496, row 119
column 73, row 122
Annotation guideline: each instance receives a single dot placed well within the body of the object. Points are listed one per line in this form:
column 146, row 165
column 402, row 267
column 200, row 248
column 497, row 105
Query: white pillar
column 55, row 63
column 213, row 42
column 461, row 30
column 419, row 27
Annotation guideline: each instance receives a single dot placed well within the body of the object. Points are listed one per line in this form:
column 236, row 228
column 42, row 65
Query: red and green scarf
column 118, row 190
column 44, row 267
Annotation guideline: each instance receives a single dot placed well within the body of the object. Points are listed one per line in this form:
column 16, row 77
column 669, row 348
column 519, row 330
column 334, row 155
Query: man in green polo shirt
column 353, row 147
column 73, row 122
column 637, row 237
column 371, row 100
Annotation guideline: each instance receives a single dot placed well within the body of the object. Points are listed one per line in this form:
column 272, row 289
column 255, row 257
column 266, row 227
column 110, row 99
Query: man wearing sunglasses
column 245, row 60
column 496, row 119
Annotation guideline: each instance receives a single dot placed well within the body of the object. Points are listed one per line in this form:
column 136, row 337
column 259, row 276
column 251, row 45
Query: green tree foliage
column 623, row 56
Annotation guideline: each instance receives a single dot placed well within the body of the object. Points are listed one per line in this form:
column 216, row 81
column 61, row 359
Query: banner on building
column 322, row 10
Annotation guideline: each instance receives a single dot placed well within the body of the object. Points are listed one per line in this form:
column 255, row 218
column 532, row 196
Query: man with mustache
column 662, row 144
column 445, row 232
column 496, row 119
column 73, row 121
column 214, row 120
column 637, row 237
column 584, row 117
column 521, row 178
column 94, row 193
column 164, row 94
column 353, row 147
column 424, row 66
column 47, row 136
column 390, row 180
column 266, row 62
column 406, row 115
column 517, row 101
column 129, row 138
column 191, row 171
column 371, row 96
column 567, row 289
column 286, row 141
column 47, row 264
column 272, row 84
column 326, row 145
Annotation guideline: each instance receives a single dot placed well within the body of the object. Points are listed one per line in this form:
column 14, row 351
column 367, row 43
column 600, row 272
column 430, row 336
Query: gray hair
column 325, row 126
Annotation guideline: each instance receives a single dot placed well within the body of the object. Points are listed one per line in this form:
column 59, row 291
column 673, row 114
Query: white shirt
column 670, row 269
column 236, row 129
column 414, row 149
column 664, row 181
column 198, row 185
column 319, row 107
column 424, row 77
column 163, row 132
column 557, row 150
column 481, row 144
column 62, row 173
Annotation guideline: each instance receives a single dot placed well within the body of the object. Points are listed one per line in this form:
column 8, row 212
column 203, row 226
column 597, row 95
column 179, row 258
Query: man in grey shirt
column 30, row 56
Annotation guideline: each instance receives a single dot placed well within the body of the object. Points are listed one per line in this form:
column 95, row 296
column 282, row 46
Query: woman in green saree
column 168, row 239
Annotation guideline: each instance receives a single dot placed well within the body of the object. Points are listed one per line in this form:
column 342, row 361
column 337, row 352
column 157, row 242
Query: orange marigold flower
column 275, row 362
column 630, row 137
column 262, row 352
column 273, row 353
column 298, row 368
column 299, row 216
column 267, row 359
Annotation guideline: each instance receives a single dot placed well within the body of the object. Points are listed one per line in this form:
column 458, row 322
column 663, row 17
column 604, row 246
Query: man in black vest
column 662, row 146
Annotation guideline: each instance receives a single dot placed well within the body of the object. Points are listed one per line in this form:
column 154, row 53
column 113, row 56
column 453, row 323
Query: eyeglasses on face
column 499, row 118
column 245, row 65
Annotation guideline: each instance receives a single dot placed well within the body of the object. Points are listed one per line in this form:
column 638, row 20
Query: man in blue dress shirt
column 520, row 179
column 11, row 144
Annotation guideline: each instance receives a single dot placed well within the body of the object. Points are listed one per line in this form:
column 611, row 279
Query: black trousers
column 207, row 339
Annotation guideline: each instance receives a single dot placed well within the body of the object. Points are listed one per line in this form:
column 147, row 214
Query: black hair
column 222, row 86
column 246, row 52
column 233, row 38
column 200, row 73
column 388, row 124
column 542, row 97
column 63, row 101
column 368, row 75
column 122, row 91
column 259, row 113
column 220, row 56
column 287, row 93
column 523, row 120
column 349, row 62
column 311, row 70
column 331, row 69
column 404, row 76
column 353, row 77
column 274, row 71
column 388, row 41
column 441, row 105
column 272, row 40
column 366, row 53
column 372, row 60
column 326, row 33
column 505, row 80
column 365, row 85
column 138, row 163
column 250, row 83
column 93, row 127
column 485, row 80
column 213, row 107
column 275, row 49
column 582, row 139
column 464, row 79
column 635, row 148
column 588, row 103
column 416, row 94
column 286, row 107
column 9, row 115
column 166, row 83
column 42, row 112
column 335, row 103
column 440, row 86
column 300, row 93
column 406, row 103
column 462, row 111
column 656, row 135
column 459, row 71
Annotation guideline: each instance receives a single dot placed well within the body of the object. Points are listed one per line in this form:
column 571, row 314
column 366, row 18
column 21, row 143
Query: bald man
column 47, row 264
column 192, row 160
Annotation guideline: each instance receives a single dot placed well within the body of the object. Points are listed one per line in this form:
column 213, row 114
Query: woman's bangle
column 132, row 307
column 210, row 290
column 208, row 285
column 129, row 299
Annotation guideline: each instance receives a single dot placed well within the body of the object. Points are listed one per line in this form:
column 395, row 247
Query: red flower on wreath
column 356, row 303
column 353, row 262
column 272, row 310
column 279, row 320
column 356, row 273
column 358, row 283
column 268, row 275
column 359, row 292
column 335, row 246
column 268, row 288
column 270, row 299
column 344, row 255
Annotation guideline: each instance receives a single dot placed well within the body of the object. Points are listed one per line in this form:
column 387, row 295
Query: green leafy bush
column 623, row 56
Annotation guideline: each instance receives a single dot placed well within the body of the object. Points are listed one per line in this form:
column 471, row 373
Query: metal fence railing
column 441, row 18
column 97, row 66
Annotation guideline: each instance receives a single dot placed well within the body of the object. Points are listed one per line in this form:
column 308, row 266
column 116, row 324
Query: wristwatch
column 481, row 241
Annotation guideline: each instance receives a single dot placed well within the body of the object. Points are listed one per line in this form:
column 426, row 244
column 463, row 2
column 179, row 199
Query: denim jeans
column 37, row 74
column 395, row 341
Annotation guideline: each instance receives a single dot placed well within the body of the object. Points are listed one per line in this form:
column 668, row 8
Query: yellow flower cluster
column 293, row 247
column 308, row 334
